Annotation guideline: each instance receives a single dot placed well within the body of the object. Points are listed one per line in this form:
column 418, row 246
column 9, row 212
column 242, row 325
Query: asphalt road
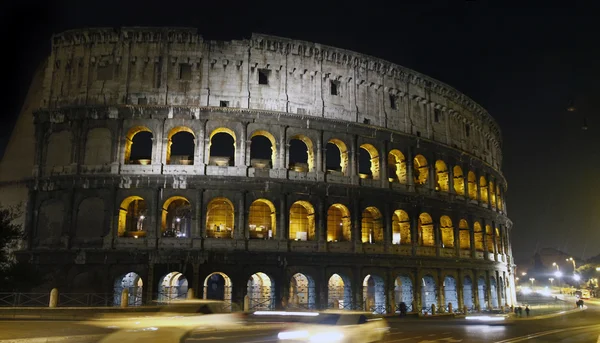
column 577, row 327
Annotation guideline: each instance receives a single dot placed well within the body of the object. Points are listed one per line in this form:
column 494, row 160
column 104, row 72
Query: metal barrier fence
column 24, row 299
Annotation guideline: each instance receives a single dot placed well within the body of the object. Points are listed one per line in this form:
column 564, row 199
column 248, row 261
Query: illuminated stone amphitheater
column 284, row 172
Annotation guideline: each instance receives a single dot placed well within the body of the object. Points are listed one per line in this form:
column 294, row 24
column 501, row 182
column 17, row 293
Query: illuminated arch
column 220, row 218
column 261, row 292
column 478, row 236
column 339, row 224
column 310, row 157
column 472, row 185
column 483, row 189
column 447, row 231
column 489, row 238
column 131, row 146
column 450, row 292
column 425, row 229
column 441, row 175
column 302, row 221
column 374, row 294
column 464, row 235
column 420, row 170
column 492, row 190
column 374, row 161
column 342, row 150
column 498, row 241
column 217, row 286
column 218, row 160
column 499, row 198
column 401, row 228
column 271, row 138
column 262, row 219
column 397, row 166
column 188, row 139
column 459, row 180
column 428, row 293
column 371, row 226
column 302, row 292
column 173, row 286
column 134, row 285
column 132, row 217
column 403, row 292
column 176, row 217
column 339, row 292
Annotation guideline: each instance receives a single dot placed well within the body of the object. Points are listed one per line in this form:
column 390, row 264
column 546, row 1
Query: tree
column 14, row 276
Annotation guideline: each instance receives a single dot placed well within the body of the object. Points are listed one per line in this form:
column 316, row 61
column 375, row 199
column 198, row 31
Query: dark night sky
column 522, row 64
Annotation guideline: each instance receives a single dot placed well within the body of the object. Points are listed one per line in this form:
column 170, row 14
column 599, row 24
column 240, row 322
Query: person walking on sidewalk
column 527, row 310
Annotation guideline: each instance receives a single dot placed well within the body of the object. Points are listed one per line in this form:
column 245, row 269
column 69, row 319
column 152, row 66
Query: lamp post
column 532, row 280
column 570, row 259
column 551, row 281
column 555, row 265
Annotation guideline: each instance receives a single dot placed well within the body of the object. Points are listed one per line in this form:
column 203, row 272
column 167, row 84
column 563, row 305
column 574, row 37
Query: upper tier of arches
column 173, row 67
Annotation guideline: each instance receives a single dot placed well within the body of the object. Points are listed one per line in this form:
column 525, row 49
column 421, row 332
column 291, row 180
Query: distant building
column 153, row 160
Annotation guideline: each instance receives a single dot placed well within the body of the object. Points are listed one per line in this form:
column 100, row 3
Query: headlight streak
column 284, row 313
column 485, row 318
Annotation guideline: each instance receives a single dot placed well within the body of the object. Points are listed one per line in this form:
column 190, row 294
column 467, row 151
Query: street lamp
column 551, row 281
column 555, row 265
column 532, row 280
column 572, row 260
column 523, row 273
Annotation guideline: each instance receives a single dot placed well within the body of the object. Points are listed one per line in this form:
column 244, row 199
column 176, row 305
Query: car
column 172, row 323
column 336, row 327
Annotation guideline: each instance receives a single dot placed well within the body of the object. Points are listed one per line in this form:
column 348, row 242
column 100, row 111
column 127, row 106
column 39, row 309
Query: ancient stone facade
column 294, row 173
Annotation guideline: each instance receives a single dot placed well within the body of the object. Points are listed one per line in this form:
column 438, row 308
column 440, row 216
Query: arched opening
column 499, row 198
column 217, row 286
column 302, row 292
column 426, row 234
column 450, row 292
column 261, row 292
column 481, row 292
column 336, row 159
column 489, row 238
column 339, row 292
column 498, row 242
column 403, row 292
column 138, row 146
column 441, row 176
column 401, row 228
column 493, row 292
column 468, row 293
column 492, row 193
column 263, row 151
column 90, row 218
column 50, row 220
column 58, row 150
column 181, row 146
column 134, row 285
column 262, row 219
column 176, row 218
column 374, row 294
column 420, row 170
column 502, row 291
column 459, row 180
column 472, row 185
column 301, row 154
column 397, row 167
column 98, row 147
column 478, row 236
column 221, row 148
column 428, row 293
column 464, row 235
column 371, row 226
column 302, row 221
column 171, row 287
column 447, row 231
column 132, row 217
column 339, row 228
column 483, row 189
column 368, row 162
column 219, row 218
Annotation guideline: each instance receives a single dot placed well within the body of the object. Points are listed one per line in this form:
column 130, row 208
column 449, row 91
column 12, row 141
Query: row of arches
column 303, row 293
column 181, row 149
column 176, row 218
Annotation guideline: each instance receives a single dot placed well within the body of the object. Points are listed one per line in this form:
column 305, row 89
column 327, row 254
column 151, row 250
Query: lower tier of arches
column 275, row 281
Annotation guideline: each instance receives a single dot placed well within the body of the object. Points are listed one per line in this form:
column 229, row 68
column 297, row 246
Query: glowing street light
column 555, row 265
column 576, row 277
column 570, row 259
column 558, row 274
column 551, row 281
column 523, row 273
column 532, row 280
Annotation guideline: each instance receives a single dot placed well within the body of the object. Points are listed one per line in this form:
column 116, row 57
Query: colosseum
column 266, row 172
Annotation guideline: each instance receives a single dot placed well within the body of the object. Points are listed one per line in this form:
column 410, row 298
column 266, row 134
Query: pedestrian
column 516, row 310
column 520, row 311
column 527, row 310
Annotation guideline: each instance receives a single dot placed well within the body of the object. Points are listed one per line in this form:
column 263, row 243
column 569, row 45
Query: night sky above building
column 524, row 65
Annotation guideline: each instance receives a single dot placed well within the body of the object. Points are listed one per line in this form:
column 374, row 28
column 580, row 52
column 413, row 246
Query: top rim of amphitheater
column 411, row 74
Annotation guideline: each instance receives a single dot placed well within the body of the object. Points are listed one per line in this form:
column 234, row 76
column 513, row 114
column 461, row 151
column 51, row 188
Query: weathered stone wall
column 172, row 67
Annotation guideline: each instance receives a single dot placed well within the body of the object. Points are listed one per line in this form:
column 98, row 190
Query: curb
column 76, row 338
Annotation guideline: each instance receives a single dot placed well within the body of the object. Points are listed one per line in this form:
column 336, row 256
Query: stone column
column 199, row 228
column 414, row 231
column 282, row 231
column 321, row 225
column 486, row 254
column 432, row 174
column 478, row 187
column 441, row 305
column 410, row 180
column 387, row 229
column 471, row 223
column 451, row 180
column 281, row 158
column 417, row 291
column 358, row 301
column 240, row 232
column 460, row 291
column 319, row 158
column 356, row 225
column 353, row 160
column 488, row 290
column 383, row 165
column 200, row 147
